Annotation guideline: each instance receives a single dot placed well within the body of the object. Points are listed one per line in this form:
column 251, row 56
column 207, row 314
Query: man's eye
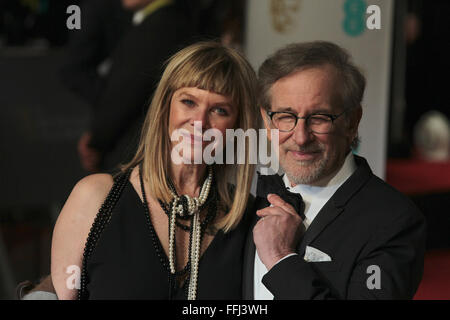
column 284, row 117
column 318, row 119
column 188, row 102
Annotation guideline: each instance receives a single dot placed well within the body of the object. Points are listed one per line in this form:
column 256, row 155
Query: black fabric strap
column 101, row 220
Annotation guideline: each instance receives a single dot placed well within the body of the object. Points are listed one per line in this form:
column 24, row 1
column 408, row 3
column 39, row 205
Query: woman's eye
column 188, row 102
column 221, row 111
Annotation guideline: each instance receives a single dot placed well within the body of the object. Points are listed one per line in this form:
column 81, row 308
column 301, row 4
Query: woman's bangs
column 216, row 76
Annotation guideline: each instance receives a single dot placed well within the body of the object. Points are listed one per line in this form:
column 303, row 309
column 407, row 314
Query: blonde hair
column 213, row 67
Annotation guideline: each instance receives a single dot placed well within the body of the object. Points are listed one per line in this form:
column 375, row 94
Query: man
column 104, row 23
column 359, row 238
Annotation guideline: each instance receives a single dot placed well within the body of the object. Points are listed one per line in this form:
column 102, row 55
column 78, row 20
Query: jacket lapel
column 328, row 213
column 332, row 209
column 336, row 205
column 249, row 253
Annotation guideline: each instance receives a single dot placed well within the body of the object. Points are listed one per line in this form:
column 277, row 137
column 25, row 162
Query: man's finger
column 276, row 200
column 271, row 211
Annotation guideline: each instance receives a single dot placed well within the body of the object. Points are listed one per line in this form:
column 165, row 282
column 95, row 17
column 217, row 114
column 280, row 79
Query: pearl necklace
column 193, row 205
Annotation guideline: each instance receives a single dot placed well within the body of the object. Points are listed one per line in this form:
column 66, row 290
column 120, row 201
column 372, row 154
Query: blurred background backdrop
column 57, row 85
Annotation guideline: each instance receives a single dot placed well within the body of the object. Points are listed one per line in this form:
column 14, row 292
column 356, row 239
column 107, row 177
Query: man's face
column 307, row 157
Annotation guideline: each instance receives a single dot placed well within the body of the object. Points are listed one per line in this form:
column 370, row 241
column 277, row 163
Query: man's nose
column 301, row 133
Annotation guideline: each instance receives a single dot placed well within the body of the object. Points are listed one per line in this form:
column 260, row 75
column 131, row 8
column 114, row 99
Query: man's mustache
column 306, row 149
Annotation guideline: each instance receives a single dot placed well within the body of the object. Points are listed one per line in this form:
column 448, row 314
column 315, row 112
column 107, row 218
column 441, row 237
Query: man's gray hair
column 298, row 56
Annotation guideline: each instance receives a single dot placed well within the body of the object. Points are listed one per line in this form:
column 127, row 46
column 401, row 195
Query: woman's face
column 205, row 109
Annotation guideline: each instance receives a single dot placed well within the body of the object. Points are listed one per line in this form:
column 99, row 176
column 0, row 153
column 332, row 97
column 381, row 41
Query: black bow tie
column 274, row 184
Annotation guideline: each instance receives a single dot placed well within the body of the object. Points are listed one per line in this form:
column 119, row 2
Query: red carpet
column 415, row 176
column 435, row 283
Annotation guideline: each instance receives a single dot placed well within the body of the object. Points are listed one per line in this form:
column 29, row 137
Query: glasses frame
column 332, row 117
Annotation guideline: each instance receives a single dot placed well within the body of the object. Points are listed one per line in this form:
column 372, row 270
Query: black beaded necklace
column 101, row 219
column 104, row 215
column 212, row 211
column 209, row 217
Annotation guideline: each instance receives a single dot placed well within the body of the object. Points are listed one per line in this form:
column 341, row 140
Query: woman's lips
column 192, row 138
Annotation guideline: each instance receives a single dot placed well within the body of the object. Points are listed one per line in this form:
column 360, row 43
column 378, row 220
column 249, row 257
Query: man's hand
column 277, row 232
column 90, row 158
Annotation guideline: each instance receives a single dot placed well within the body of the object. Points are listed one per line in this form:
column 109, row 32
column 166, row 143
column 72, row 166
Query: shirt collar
column 341, row 176
column 140, row 15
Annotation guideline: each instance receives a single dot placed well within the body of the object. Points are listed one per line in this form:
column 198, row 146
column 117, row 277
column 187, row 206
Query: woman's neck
column 188, row 178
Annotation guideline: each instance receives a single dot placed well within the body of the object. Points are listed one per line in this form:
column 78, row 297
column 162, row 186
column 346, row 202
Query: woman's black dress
column 124, row 264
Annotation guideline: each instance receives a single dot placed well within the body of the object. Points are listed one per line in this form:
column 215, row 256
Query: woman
column 167, row 230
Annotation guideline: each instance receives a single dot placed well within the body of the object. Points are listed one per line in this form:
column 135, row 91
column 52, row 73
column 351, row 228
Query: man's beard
column 311, row 172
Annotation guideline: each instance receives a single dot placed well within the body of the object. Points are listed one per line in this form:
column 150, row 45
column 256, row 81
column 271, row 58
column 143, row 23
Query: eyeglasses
column 316, row 122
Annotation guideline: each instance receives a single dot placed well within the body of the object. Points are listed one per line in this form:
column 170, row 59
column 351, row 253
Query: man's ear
column 266, row 121
column 355, row 119
column 265, row 118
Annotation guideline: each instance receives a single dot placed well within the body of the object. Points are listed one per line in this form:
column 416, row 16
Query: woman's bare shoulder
column 88, row 194
column 72, row 228
column 99, row 183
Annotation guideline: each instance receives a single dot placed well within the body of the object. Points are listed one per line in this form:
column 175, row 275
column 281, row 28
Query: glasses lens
column 284, row 121
column 320, row 124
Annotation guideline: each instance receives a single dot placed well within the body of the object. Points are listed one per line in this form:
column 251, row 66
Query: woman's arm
column 72, row 229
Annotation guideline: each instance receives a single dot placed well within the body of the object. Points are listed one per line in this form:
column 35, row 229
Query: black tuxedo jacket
column 104, row 22
column 365, row 223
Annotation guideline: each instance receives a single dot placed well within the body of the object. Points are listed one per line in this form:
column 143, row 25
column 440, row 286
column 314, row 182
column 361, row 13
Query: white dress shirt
column 314, row 198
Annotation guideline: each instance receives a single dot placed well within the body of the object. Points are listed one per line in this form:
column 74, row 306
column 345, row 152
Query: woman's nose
column 201, row 116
